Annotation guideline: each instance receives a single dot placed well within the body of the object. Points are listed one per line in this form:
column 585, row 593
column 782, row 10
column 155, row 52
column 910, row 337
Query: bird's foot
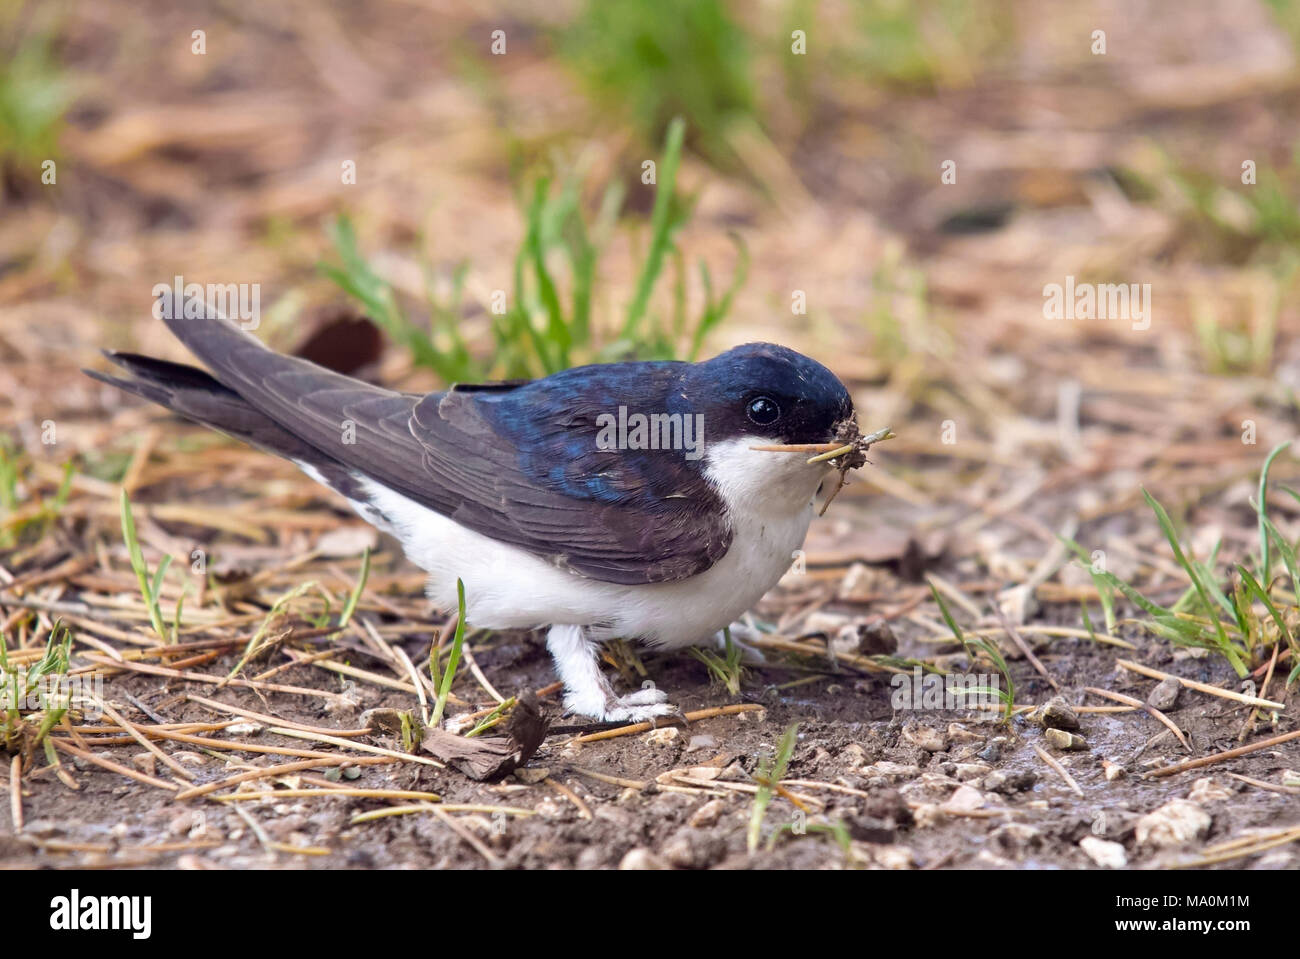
column 588, row 693
column 644, row 705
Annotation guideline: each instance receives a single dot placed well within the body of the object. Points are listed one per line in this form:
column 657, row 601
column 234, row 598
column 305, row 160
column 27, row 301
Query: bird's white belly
column 770, row 503
column 506, row 587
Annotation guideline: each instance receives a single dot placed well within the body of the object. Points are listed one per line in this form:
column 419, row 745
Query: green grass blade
column 662, row 224
column 1257, row 591
column 147, row 590
column 1167, row 526
column 354, row 597
column 772, row 771
column 715, row 312
column 1261, row 507
column 453, row 660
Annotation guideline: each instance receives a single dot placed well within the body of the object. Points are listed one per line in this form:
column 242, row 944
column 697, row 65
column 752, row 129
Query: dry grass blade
column 245, row 747
column 1249, row 725
column 139, row 737
column 635, row 728
column 447, row 807
column 796, row 447
column 1138, row 704
column 722, row 786
column 1271, row 787
column 1024, row 647
column 215, row 680
column 354, row 792
column 469, row 838
column 583, row 809
column 272, row 720
column 283, row 769
column 637, row 784
column 1238, row 849
column 400, row 655
column 1226, row 754
column 1200, row 687
column 112, row 766
column 16, row 793
column 1059, row 770
column 347, row 744
column 831, row 454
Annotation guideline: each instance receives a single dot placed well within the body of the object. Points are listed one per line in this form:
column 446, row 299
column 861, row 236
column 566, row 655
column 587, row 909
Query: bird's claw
column 644, row 705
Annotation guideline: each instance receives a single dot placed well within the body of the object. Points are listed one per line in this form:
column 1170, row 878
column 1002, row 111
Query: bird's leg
column 741, row 635
column 588, row 692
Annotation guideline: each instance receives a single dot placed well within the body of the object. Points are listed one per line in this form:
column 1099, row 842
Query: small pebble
column 640, row 859
column 853, row 756
column 1165, row 694
column 959, row 733
column 893, row 857
column 1208, row 790
column 991, row 753
column 1173, row 824
column 662, row 736
column 964, row 799
column 1056, row 713
column 147, row 763
column 1060, row 739
column 708, row 814
column 1107, row 854
column 925, row 737
column 1008, row 781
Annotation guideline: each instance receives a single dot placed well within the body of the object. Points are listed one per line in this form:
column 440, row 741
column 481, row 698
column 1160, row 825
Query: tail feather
column 197, row 396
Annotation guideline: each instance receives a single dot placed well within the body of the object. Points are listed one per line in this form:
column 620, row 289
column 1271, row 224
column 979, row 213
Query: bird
column 613, row 500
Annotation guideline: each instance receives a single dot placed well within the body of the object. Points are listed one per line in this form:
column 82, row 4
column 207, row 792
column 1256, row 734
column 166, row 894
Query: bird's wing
column 516, row 463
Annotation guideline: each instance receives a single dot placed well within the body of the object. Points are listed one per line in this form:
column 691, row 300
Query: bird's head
column 764, row 395
column 767, row 393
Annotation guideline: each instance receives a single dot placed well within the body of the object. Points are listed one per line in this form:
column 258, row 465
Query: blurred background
column 887, row 186
column 428, row 191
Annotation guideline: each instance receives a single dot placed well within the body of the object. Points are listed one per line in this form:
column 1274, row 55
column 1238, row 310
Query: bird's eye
column 763, row 411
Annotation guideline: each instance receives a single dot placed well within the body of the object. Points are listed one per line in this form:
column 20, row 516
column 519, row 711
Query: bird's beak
column 827, row 451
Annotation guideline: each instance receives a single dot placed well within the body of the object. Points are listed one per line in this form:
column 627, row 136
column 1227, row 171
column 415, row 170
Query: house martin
column 612, row 500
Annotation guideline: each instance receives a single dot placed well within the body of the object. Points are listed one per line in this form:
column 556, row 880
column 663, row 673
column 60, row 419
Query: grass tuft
column 1241, row 618
column 542, row 330
column 651, row 62
column 35, row 93
column 726, row 669
column 150, row 588
column 771, row 770
column 1007, row 695
column 41, row 678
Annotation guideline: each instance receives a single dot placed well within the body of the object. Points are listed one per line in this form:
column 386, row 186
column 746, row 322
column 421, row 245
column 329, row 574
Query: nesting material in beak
column 849, row 448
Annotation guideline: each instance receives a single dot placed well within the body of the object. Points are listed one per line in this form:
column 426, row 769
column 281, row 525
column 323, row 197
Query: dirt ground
column 926, row 298
column 905, row 805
